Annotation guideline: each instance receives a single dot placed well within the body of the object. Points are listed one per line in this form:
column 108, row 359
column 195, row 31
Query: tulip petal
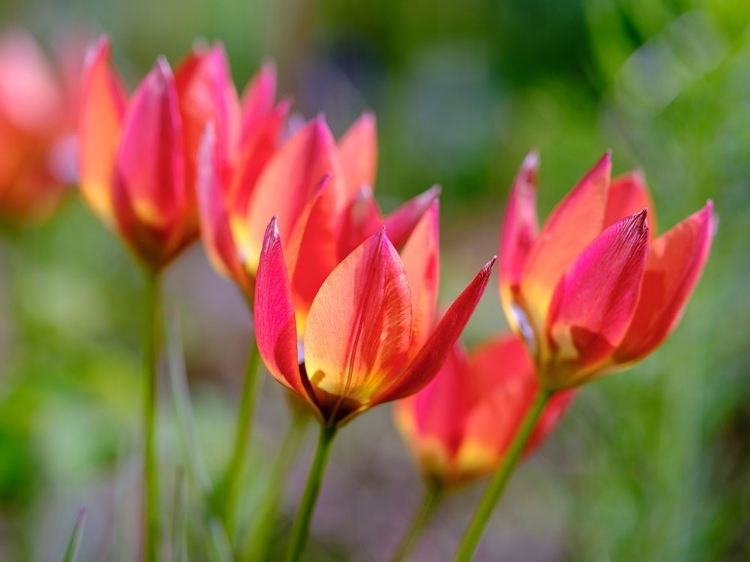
column 290, row 180
column 359, row 154
column 358, row 329
column 421, row 257
column 275, row 327
column 573, row 224
column 311, row 255
column 258, row 100
column 361, row 220
column 430, row 358
column 401, row 222
column 257, row 149
column 149, row 194
column 594, row 302
column 215, row 227
column 520, row 225
column 102, row 106
column 675, row 262
column 504, row 371
column 628, row 194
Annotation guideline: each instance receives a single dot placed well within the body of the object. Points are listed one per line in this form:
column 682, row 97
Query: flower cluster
column 344, row 298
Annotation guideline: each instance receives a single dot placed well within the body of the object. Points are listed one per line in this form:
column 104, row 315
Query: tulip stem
column 307, row 504
column 152, row 324
column 497, row 485
column 261, row 533
column 229, row 491
column 432, row 498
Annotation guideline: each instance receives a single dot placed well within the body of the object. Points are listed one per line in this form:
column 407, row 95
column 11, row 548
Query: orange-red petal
column 361, row 220
column 358, row 149
column 216, row 231
column 401, row 222
column 627, row 195
column 102, row 107
column 520, row 226
column 149, row 194
column 290, row 180
column 275, row 327
column 258, row 100
column 430, row 358
column 358, row 329
column 675, row 262
column 421, row 257
column 573, row 224
column 594, row 303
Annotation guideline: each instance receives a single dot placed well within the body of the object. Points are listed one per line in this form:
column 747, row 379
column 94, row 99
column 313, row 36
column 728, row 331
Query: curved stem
column 229, row 488
column 500, row 479
column 260, row 535
column 307, row 504
column 431, row 500
column 150, row 368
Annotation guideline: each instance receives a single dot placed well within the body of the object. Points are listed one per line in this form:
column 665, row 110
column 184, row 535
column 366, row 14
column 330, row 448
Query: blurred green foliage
column 651, row 464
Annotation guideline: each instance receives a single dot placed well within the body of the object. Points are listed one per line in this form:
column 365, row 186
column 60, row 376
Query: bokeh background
column 650, row 464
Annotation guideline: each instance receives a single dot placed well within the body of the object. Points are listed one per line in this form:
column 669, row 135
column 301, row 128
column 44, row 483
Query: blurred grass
column 651, row 464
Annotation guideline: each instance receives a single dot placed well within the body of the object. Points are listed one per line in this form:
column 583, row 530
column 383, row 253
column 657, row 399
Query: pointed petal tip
column 161, row 68
column 97, row 49
column 531, row 161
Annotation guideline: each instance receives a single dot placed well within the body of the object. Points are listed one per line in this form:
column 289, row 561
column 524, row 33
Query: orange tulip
column 366, row 339
column 595, row 290
column 138, row 156
column 320, row 190
column 461, row 424
column 37, row 125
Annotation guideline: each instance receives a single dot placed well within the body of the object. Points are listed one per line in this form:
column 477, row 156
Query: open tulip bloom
column 593, row 291
column 138, row 156
column 365, row 339
column 459, row 427
column 321, row 191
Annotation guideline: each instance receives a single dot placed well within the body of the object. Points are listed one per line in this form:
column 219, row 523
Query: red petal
column 216, row 232
column 594, row 303
column 358, row 330
column 421, row 257
column 628, row 194
column 149, row 196
column 574, row 223
column 359, row 154
column 257, row 150
column 400, row 224
column 102, row 106
column 275, row 326
column 361, row 220
column 311, row 255
column 430, row 358
column 520, row 225
column 675, row 262
column 258, row 100
column 290, row 180
column 206, row 95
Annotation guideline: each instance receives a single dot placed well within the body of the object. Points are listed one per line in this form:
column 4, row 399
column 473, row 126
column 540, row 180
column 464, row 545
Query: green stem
column 229, row 491
column 259, row 537
column 150, row 462
column 307, row 504
column 500, row 479
column 431, row 500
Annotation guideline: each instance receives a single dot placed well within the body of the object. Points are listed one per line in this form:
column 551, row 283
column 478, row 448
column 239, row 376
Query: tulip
column 138, row 172
column 321, row 191
column 37, row 124
column 595, row 290
column 138, row 155
column 592, row 292
column 365, row 341
column 459, row 427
